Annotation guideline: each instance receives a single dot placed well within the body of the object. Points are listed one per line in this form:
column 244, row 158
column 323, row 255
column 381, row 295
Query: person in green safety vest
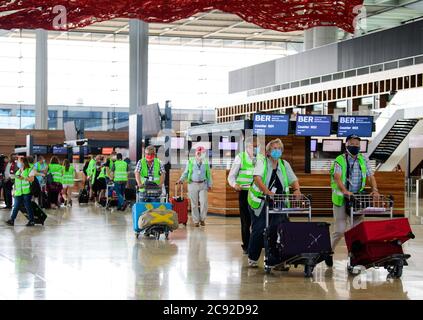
column 240, row 178
column 349, row 174
column 90, row 171
column 68, row 178
column 22, row 191
column 120, row 178
column 149, row 169
column 272, row 175
column 54, row 187
column 40, row 168
column 197, row 173
column 98, row 180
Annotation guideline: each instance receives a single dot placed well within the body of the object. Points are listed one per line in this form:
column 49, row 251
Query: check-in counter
column 223, row 200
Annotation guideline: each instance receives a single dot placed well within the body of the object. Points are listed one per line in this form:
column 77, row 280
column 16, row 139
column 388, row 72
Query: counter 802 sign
column 271, row 124
column 361, row 126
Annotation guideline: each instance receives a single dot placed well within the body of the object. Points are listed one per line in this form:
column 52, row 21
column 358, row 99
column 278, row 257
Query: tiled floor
column 88, row 253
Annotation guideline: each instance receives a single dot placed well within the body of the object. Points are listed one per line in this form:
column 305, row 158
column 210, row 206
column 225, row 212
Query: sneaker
column 196, row 225
column 30, row 224
column 10, row 222
column 244, row 252
column 252, row 263
column 203, row 223
column 329, row 262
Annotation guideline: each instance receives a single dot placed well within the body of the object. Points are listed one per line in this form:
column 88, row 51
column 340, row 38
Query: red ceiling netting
column 280, row 15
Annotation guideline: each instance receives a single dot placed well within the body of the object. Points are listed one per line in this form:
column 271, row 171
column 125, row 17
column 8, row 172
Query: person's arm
column 338, row 180
column 258, row 180
column 137, row 174
column 162, row 174
column 233, row 173
column 184, row 174
column 31, row 176
column 371, row 179
column 209, row 180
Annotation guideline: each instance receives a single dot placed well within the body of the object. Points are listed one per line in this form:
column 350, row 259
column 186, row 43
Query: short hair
column 119, row 156
column 150, row 149
column 272, row 142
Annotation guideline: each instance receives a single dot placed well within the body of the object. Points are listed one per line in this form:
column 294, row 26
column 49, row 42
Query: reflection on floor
column 88, row 253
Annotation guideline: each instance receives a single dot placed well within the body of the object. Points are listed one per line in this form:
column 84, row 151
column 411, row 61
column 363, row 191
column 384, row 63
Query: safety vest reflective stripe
column 121, row 171
column 156, row 171
column 68, row 176
column 338, row 198
column 191, row 166
column 245, row 174
column 56, row 172
column 22, row 187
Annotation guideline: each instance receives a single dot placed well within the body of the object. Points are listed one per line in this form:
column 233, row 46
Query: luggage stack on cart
column 180, row 205
column 377, row 243
column 152, row 215
column 111, row 197
column 294, row 243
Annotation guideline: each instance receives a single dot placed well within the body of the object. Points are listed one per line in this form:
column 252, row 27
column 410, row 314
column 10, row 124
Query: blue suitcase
column 139, row 208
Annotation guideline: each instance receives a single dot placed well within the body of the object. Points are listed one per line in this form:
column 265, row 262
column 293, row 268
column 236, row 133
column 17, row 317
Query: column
column 138, row 64
column 324, row 35
column 308, row 39
column 41, row 81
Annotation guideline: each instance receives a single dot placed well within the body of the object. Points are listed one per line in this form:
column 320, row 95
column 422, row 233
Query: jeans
column 26, row 200
column 258, row 224
column 7, row 191
column 120, row 192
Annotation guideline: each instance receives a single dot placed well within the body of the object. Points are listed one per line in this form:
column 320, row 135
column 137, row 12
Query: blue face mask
column 276, row 154
column 20, row 165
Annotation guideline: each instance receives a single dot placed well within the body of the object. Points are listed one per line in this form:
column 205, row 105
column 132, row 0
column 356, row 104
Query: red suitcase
column 372, row 252
column 180, row 205
column 379, row 231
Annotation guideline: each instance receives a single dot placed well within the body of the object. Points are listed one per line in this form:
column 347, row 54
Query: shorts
column 99, row 184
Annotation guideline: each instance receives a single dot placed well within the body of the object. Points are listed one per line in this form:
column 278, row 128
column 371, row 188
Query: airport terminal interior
column 135, row 148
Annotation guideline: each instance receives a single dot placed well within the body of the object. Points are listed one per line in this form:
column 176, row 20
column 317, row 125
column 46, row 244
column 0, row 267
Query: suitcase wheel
column 267, row 269
column 308, row 271
column 157, row 235
column 137, row 235
column 167, row 235
column 395, row 271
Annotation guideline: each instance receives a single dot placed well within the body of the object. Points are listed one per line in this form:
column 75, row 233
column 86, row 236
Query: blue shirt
column 39, row 168
column 198, row 173
column 355, row 177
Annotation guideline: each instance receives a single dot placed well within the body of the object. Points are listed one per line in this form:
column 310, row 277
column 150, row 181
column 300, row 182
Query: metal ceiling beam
column 188, row 22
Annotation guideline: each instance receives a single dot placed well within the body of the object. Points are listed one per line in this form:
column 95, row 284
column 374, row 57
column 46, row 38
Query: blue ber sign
column 362, row 126
column 314, row 125
column 271, row 124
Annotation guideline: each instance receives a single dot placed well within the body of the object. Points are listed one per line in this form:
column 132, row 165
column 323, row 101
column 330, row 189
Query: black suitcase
column 295, row 238
column 83, row 196
column 44, row 201
column 39, row 215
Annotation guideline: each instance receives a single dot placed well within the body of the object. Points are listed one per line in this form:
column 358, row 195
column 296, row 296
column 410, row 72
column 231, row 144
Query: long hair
column 54, row 160
column 25, row 162
column 66, row 164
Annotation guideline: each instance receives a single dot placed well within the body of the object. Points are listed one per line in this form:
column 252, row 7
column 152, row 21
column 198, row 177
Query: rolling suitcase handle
column 176, row 191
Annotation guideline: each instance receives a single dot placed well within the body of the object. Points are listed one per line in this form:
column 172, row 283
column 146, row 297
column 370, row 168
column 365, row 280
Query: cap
column 353, row 136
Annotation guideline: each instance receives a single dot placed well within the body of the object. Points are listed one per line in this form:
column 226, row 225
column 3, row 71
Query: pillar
column 324, row 35
column 41, row 81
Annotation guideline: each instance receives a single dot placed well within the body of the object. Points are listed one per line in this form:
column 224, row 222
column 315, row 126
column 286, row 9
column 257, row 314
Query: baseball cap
column 353, row 136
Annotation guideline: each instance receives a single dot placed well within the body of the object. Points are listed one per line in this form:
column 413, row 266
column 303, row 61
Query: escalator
column 393, row 139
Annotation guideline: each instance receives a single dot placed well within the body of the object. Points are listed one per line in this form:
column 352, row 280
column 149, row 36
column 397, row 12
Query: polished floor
column 90, row 253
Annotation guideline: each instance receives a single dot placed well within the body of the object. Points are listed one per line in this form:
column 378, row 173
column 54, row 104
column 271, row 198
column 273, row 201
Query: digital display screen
column 60, row 150
column 314, row 125
column 177, row 143
column 364, row 145
column 361, row 126
column 39, row 149
column 106, row 151
column 332, row 145
column 313, row 145
column 271, row 124
column 228, row 145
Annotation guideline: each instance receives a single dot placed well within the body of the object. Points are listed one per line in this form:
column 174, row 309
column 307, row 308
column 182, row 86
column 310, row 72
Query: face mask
column 20, row 165
column 276, row 154
column 149, row 157
column 256, row 150
column 353, row 150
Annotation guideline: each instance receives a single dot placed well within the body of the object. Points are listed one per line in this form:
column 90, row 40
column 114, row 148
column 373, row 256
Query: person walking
column 9, row 180
column 119, row 172
column 150, row 169
column 68, row 179
column 54, row 182
column 197, row 174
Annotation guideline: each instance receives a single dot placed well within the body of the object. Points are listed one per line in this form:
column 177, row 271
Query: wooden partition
column 223, row 200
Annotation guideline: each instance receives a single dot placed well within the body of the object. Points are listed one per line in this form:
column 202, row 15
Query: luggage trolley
column 111, row 198
column 153, row 193
column 290, row 205
column 365, row 204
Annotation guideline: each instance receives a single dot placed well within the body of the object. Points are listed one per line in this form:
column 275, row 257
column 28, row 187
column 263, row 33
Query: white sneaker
column 252, row 263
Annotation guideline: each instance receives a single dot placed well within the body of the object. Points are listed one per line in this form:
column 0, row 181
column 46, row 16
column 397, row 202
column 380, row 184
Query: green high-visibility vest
column 121, row 171
column 102, row 174
column 68, row 176
column 156, row 171
column 191, row 166
column 91, row 167
column 255, row 193
column 22, row 187
column 56, row 172
column 245, row 175
column 338, row 198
